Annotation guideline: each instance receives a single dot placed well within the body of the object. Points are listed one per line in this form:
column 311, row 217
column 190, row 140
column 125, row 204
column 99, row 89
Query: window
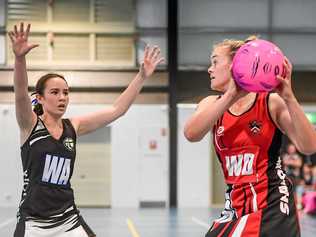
column 77, row 32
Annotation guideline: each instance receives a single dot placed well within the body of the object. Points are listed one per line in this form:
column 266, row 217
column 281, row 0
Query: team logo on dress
column 255, row 126
column 69, row 143
column 220, row 131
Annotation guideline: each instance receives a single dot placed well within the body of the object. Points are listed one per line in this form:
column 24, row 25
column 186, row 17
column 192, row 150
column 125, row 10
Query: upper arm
column 206, row 102
column 88, row 123
column 196, row 127
column 25, row 117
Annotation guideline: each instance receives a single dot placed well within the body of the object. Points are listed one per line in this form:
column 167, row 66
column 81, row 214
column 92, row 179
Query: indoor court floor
column 146, row 222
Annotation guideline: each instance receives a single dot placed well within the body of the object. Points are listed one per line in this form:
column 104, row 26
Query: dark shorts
column 268, row 222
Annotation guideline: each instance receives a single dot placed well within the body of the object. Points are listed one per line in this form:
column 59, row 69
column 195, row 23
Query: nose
column 210, row 70
column 62, row 97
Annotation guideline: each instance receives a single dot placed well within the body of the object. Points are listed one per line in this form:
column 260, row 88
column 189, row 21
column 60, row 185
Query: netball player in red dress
column 247, row 129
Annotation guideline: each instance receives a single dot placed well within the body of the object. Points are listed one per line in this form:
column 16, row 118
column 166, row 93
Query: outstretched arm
column 24, row 114
column 290, row 117
column 88, row 123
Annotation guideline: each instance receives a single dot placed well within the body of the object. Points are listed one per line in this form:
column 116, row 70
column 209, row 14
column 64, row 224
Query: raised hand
column 151, row 59
column 19, row 39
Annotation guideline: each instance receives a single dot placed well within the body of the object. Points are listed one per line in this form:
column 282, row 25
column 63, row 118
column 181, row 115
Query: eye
column 54, row 92
column 66, row 92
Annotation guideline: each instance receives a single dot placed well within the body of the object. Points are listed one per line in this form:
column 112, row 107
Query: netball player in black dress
column 48, row 143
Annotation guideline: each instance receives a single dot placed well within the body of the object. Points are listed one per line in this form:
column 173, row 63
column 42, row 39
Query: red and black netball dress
column 259, row 200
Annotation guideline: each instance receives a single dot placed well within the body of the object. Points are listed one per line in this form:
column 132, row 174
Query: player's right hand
column 19, row 39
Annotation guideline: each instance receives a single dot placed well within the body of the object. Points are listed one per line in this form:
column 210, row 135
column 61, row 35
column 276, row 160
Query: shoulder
column 207, row 101
column 275, row 103
column 38, row 129
column 71, row 123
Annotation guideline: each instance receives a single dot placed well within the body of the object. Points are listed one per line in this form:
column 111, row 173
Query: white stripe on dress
column 240, row 227
column 37, row 139
column 254, row 200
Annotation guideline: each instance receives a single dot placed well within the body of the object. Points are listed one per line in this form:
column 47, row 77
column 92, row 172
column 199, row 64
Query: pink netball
column 256, row 65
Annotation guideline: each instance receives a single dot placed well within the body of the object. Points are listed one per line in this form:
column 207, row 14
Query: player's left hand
column 284, row 89
column 152, row 59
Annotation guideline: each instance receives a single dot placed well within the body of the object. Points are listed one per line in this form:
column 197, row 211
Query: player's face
column 55, row 99
column 220, row 68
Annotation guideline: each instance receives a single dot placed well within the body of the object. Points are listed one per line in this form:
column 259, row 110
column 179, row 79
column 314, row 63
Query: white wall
column 136, row 176
column 11, row 165
column 127, row 154
column 194, row 166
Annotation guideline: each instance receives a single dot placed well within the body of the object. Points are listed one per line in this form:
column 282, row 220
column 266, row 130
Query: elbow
column 191, row 135
column 308, row 150
column 118, row 112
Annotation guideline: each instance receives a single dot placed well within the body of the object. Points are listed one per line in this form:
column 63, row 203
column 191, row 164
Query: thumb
column 32, row 46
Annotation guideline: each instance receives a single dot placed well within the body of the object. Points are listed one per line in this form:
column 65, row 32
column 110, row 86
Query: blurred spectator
column 308, row 174
column 293, row 165
column 301, row 170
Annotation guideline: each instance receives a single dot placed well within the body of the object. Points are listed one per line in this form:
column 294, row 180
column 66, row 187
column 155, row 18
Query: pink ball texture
column 256, row 65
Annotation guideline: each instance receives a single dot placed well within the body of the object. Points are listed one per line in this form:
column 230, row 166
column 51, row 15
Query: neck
column 245, row 100
column 243, row 104
column 52, row 121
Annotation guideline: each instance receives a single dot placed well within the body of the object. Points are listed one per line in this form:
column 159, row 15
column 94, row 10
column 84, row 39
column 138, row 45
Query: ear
column 231, row 68
column 39, row 98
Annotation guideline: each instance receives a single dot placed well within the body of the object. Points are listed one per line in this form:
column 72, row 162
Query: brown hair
column 234, row 45
column 39, row 90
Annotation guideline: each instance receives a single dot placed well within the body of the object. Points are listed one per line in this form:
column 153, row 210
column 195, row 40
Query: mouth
column 61, row 106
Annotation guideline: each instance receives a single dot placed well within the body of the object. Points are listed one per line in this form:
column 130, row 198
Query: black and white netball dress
column 47, row 206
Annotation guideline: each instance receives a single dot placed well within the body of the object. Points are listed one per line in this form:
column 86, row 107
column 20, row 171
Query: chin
column 59, row 113
column 215, row 87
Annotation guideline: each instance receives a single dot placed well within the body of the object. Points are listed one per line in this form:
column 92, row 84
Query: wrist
column 20, row 58
column 141, row 74
column 289, row 99
column 141, row 77
column 290, row 102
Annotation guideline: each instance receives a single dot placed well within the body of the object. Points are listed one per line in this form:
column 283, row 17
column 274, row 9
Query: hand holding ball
column 256, row 65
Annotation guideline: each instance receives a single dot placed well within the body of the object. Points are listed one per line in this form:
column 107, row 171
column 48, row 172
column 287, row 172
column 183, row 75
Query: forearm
column 304, row 131
column 20, row 78
column 23, row 107
column 129, row 95
column 204, row 119
column 100, row 118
